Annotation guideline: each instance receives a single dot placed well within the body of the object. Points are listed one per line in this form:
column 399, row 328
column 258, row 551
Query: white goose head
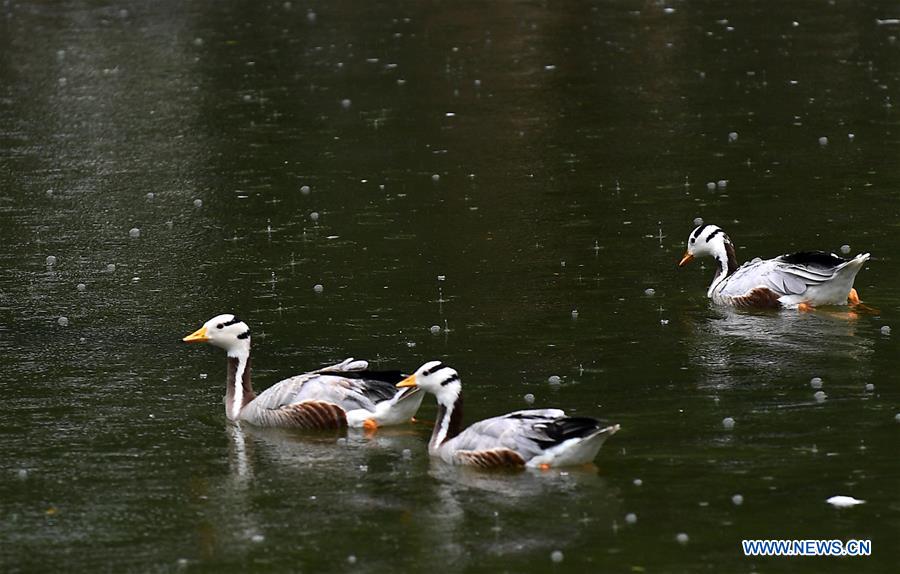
column 438, row 379
column 706, row 240
column 226, row 332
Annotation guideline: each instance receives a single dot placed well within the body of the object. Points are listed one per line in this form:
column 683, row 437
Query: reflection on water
column 775, row 345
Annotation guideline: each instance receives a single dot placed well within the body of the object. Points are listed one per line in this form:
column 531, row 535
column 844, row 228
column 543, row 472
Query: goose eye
column 219, row 326
column 692, row 241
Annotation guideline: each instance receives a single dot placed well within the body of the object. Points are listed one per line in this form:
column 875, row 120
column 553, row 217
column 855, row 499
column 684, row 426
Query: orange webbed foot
column 804, row 307
column 544, row 466
column 853, row 297
column 370, row 426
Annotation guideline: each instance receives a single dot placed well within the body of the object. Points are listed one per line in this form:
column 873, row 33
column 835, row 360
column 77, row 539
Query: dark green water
column 542, row 158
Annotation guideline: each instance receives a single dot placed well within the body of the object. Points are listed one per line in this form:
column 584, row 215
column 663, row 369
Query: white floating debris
column 698, row 221
column 151, row 195
column 556, row 556
column 435, row 177
column 650, row 292
column 51, row 260
column 134, row 233
column 318, row 288
column 820, row 396
column 682, row 538
column 870, row 387
column 314, row 216
column 845, row 249
column 637, row 482
column 737, row 500
column 823, row 141
column 198, row 203
column 732, row 137
column 346, row 103
column 711, row 186
column 816, row 382
column 554, row 380
column 529, row 398
column 435, row 329
column 574, row 313
column 81, row 287
column 63, row 321
column 728, row 423
column 631, row 518
column 844, row 501
column 304, row 189
column 886, row 330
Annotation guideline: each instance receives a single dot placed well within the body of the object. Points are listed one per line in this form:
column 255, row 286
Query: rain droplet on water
column 318, row 288
column 436, row 177
column 698, row 221
column 650, row 292
column 732, row 137
column 711, row 186
column 897, row 417
column 574, row 313
column 728, row 423
column 314, row 216
column 851, row 137
column 111, row 267
column 529, row 398
column 198, row 203
column 845, row 249
column 406, row 453
column 257, row 538
column 637, row 482
column 556, row 556
column 886, row 330
column 816, row 382
column 823, row 141
column 737, row 500
column 81, row 287
column 22, row 474
column 304, row 189
column 151, row 195
column 820, row 396
column 134, row 233
column 435, row 329
column 351, row 559
column 346, row 103
column 631, row 518
column 682, row 538
column 554, row 380
column 51, row 260
column 870, row 387
column 63, row 321
column 722, row 183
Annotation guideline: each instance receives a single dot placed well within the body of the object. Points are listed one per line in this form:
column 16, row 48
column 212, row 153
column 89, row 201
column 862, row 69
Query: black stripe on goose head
column 453, row 377
column 699, row 230
column 244, row 335
column 433, row 369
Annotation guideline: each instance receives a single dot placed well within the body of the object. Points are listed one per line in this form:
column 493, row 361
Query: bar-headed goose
column 803, row 280
column 539, row 438
column 345, row 394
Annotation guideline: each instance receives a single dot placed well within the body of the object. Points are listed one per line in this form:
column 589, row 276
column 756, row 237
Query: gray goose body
column 808, row 278
column 340, row 395
column 530, row 438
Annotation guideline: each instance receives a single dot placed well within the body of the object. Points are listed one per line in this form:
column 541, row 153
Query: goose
column 540, row 438
column 798, row 280
column 347, row 394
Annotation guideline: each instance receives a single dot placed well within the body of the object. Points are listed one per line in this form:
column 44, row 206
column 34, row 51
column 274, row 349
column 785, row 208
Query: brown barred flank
column 313, row 415
column 759, row 297
column 494, row 458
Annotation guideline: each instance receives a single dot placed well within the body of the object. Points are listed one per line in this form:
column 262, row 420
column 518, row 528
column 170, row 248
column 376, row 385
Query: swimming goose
column 342, row 395
column 534, row 438
column 803, row 280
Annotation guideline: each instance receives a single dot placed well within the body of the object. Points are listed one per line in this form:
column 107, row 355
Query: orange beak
column 409, row 381
column 688, row 257
column 198, row 336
